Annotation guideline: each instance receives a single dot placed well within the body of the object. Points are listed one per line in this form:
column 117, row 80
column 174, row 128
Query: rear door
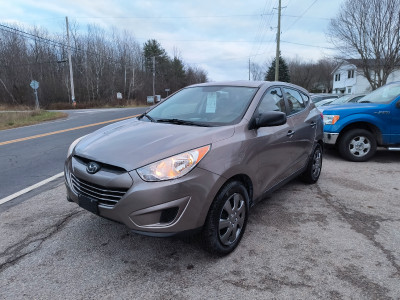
column 302, row 120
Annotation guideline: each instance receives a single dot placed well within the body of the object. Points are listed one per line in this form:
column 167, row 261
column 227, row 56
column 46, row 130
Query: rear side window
column 272, row 101
column 295, row 101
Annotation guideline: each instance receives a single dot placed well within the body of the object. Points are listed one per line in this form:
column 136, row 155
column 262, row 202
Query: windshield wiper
column 182, row 122
column 147, row 116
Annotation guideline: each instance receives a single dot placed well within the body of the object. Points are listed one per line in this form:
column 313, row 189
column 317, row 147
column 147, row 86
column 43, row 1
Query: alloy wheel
column 232, row 219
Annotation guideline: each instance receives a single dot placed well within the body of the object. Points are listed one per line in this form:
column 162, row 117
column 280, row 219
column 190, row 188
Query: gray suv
column 197, row 161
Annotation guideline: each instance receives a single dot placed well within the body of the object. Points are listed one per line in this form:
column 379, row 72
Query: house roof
column 357, row 62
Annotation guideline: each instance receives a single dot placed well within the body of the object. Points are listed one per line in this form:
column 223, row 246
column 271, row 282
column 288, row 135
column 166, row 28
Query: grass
column 20, row 115
column 23, row 118
column 96, row 104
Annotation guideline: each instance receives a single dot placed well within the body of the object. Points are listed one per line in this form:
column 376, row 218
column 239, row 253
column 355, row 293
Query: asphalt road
column 337, row 239
column 28, row 162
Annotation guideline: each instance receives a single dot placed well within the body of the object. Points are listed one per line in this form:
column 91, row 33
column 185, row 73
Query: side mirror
column 271, row 118
column 398, row 104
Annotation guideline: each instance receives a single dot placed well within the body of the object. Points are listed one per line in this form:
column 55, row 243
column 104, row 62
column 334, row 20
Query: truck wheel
column 357, row 145
column 314, row 166
column 227, row 219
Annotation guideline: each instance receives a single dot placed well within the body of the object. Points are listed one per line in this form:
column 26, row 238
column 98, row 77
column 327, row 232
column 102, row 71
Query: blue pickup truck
column 358, row 129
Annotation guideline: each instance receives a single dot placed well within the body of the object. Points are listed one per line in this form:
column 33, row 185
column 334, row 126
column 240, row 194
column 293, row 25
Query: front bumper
column 330, row 138
column 154, row 208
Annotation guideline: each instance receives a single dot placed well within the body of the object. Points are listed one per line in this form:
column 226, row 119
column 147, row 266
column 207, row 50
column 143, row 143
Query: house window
column 350, row 74
column 337, row 77
column 349, row 91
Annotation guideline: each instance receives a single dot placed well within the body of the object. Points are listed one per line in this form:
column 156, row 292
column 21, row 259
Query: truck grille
column 105, row 196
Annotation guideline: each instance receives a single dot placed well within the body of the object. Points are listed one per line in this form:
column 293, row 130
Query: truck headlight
column 173, row 167
column 331, row 119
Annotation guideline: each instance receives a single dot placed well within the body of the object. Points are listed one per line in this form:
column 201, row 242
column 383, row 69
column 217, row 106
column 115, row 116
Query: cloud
column 219, row 36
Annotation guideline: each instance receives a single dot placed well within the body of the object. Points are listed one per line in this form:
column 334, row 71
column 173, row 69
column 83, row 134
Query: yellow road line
column 61, row 131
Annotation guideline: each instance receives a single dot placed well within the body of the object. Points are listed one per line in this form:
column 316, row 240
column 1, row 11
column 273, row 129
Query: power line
column 35, row 63
column 299, row 17
column 190, row 17
column 264, row 24
column 175, row 17
column 30, row 35
column 35, row 37
column 307, row 45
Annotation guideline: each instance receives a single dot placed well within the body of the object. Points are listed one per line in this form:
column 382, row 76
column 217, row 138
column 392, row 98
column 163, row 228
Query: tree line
column 104, row 64
column 313, row 76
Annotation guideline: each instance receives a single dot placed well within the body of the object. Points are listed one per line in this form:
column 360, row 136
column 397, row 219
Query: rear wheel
column 314, row 166
column 357, row 145
column 227, row 219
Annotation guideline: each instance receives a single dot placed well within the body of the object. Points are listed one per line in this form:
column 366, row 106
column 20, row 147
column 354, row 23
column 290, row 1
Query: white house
column 348, row 78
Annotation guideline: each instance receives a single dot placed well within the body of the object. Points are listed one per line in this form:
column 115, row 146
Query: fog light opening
column 169, row 214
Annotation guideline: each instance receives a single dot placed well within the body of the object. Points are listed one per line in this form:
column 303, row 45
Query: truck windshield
column 384, row 94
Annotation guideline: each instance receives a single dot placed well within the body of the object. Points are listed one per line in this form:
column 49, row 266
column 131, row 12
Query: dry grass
column 97, row 104
column 4, row 107
column 12, row 119
column 79, row 105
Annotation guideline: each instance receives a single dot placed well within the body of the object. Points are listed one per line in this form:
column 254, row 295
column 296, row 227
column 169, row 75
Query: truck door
column 395, row 122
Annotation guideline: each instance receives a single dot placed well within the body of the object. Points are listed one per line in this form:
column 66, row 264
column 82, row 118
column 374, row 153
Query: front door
column 272, row 145
column 395, row 122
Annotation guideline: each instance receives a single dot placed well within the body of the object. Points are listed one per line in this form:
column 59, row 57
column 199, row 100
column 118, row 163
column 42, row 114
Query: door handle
column 290, row 133
column 312, row 124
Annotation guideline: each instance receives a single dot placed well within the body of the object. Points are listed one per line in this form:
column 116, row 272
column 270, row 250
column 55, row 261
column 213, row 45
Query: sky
column 219, row 36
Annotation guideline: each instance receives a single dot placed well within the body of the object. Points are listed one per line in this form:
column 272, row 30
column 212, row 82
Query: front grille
column 107, row 167
column 105, row 196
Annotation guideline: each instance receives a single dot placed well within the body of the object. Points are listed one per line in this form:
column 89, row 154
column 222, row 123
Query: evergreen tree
column 153, row 48
column 283, row 71
column 177, row 77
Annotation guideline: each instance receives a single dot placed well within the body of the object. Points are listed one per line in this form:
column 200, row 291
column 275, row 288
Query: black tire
column 314, row 166
column 223, row 231
column 357, row 145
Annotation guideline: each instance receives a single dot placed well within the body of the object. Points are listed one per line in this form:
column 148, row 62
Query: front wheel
column 227, row 219
column 357, row 145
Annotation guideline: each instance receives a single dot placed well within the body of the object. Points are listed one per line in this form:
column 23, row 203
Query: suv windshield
column 204, row 106
column 384, row 94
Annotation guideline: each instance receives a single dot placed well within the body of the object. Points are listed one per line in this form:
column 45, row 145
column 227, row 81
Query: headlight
column 71, row 148
column 331, row 119
column 173, row 167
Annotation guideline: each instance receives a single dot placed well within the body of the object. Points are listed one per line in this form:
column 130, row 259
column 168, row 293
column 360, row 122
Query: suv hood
column 131, row 144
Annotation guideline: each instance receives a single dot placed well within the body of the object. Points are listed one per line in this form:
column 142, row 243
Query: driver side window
column 272, row 101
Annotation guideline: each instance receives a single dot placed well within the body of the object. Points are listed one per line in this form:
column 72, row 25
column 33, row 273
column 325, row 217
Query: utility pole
column 249, row 68
column 125, row 82
column 278, row 38
column 70, row 65
column 133, row 77
column 132, row 82
column 154, row 77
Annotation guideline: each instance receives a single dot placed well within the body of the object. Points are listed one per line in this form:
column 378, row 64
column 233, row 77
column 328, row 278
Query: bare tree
column 302, row 73
column 257, row 71
column 104, row 63
column 369, row 30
